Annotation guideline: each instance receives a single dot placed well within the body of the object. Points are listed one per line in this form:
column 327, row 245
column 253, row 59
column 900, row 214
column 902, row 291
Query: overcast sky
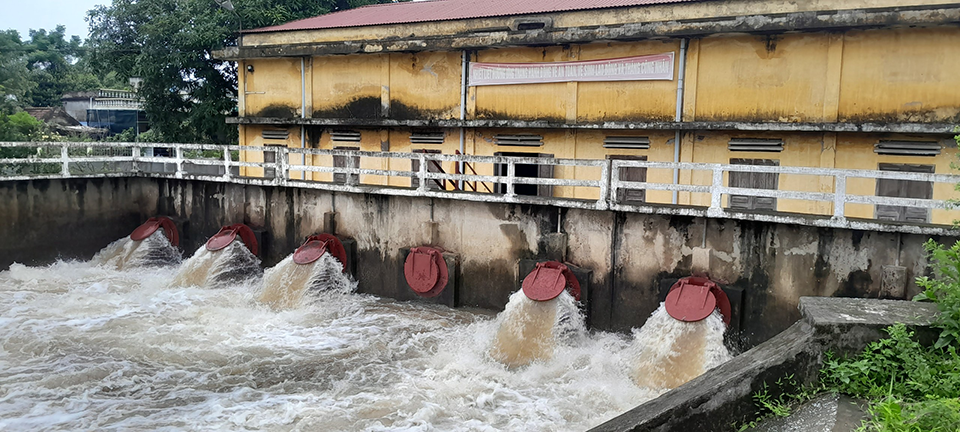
column 23, row 15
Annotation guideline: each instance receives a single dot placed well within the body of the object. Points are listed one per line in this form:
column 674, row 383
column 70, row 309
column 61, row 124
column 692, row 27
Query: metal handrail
column 183, row 164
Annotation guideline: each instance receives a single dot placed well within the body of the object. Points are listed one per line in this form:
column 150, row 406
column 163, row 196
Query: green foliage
column 899, row 366
column 168, row 43
column 20, row 127
column 789, row 394
column 896, row 415
column 944, row 289
column 14, row 83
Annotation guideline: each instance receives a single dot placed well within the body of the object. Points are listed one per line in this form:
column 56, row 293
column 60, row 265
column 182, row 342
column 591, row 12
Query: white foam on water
column 214, row 269
column 286, row 284
column 670, row 352
column 155, row 250
column 89, row 347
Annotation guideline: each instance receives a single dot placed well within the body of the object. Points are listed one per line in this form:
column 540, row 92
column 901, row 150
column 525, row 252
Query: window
column 526, row 170
column 432, row 166
column 904, row 189
column 637, row 174
column 753, row 180
column 346, row 162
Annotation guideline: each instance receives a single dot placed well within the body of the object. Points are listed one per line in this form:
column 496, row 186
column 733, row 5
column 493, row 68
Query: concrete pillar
column 330, row 222
column 893, row 282
column 555, row 247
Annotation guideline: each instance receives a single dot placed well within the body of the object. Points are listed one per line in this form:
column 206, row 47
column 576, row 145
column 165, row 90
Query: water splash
column 285, row 284
column 528, row 329
column 215, row 269
column 125, row 253
column 670, row 352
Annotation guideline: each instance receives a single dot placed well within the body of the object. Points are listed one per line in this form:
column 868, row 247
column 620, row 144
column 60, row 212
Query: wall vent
column 345, row 136
column 275, row 134
column 426, row 137
column 523, row 140
column 755, row 145
column 626, row 142
column 908, row 148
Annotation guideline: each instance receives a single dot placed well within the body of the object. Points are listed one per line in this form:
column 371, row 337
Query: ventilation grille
column 426, row 138
column 908, row 148
column 275, row 134
column 756, row 145
column 519, row 140
column 626, row 142
column 345, row 136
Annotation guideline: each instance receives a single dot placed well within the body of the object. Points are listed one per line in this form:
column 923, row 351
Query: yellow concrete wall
column 762, row 78
column 272, row 89
column 627, row 100
column 347, row 86
column 902, row 75
column 855, row 151
column 424, row 85
column 590, row 146
column 547, row 101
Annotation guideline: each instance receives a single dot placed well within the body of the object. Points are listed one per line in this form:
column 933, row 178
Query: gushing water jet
column 224, row 259
column 154, row 243
column 318, row 264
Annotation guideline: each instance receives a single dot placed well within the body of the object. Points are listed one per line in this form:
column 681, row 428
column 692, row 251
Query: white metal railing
column 380, row 172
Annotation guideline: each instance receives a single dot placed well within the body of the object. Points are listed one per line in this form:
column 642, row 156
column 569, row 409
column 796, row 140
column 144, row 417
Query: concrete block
column 893, row 282
column 448, row 297
column 330, row 222
column 555, row 247
column 350, row 247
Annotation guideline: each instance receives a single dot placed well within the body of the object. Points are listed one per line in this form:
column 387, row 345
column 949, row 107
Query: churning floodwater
column 94, row 347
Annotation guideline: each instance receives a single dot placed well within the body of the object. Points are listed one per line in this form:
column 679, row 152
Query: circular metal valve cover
column 425, row 271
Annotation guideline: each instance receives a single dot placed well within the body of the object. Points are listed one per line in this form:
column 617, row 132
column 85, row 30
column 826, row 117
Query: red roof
column 444, row 10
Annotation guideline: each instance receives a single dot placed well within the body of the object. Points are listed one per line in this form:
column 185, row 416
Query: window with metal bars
column 753, row 180
column 636, row 174
column 904, row 189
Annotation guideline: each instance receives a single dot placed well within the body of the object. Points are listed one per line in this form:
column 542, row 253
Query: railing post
column 422, row 175
column 226, row 164
column 135, row 154
column 716, row 197
column 511, row 173
column 178, row 151
column 839, row 196
column 64, row 161
column 607, row 177
column 281, row 165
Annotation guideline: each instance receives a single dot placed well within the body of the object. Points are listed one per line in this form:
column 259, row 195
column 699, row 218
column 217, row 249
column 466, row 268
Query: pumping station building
column 807, row 85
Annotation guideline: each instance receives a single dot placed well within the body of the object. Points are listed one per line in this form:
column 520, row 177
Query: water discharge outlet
column 694, row 298
column 549, row 279
column 316, row 246
column 229, row 233
column 426, row 271
column 152, row 225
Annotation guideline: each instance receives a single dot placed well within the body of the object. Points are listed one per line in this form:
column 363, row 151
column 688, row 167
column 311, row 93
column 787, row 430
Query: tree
column 14, row 83
column 168, row 43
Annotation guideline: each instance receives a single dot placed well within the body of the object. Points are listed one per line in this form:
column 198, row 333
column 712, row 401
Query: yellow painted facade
column 902, row 75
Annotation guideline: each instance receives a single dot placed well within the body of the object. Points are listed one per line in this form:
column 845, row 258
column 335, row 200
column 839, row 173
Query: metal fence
column 586, row 183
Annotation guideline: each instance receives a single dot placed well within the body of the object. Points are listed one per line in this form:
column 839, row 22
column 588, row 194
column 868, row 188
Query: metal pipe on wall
column 678, row 117
column 303, row 114
column 465, row 61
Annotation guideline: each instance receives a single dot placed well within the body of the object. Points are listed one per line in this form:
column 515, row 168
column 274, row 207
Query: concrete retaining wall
column 630, row 255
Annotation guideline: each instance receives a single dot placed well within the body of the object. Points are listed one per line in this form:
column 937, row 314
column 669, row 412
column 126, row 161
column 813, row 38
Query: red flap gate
column 317, row 245
column 151, row 225
column 694, row 298
column 548, row 280
column 227, row 234
column 426, row 271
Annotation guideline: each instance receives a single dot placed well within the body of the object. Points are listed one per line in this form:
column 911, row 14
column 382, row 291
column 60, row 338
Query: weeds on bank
column 910, row 387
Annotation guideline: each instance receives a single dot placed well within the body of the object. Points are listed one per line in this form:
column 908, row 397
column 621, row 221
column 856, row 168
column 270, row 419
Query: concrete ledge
column 722, row 396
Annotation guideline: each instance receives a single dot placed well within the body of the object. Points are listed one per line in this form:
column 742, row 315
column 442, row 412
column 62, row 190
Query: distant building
column 850, row 84
column 114, row 110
